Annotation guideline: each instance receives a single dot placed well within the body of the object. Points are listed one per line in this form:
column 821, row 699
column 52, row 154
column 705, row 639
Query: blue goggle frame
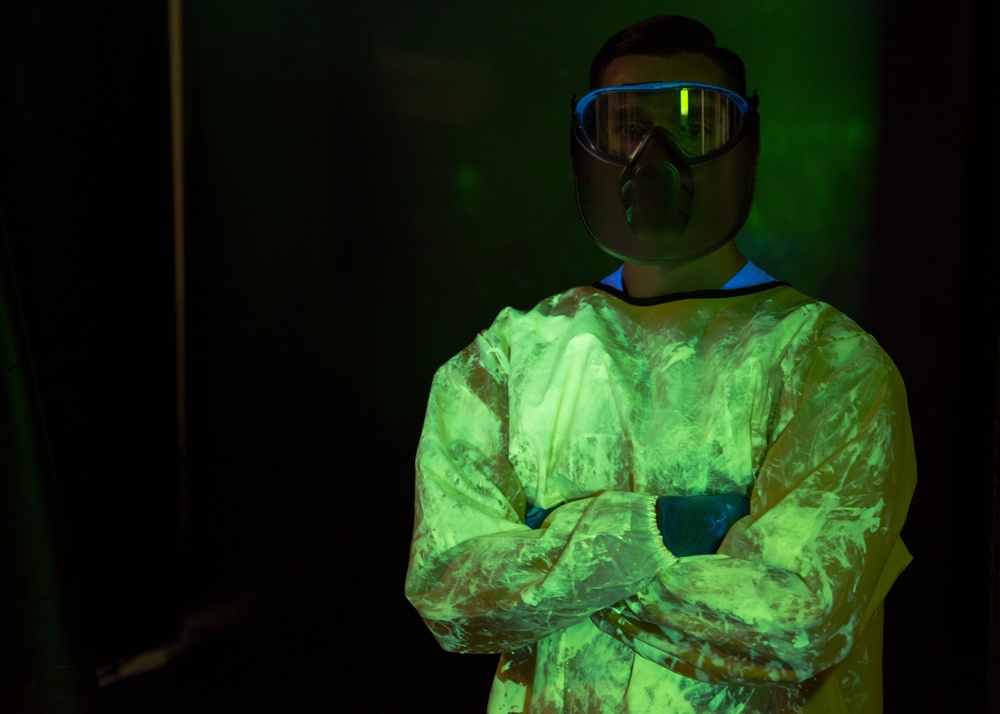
column 701, row 121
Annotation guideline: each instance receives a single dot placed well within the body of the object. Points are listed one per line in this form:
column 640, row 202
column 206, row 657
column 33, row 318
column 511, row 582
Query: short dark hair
column 664, row 36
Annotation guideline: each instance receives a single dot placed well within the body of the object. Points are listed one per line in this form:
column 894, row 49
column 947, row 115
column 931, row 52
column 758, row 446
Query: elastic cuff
column 670, row 557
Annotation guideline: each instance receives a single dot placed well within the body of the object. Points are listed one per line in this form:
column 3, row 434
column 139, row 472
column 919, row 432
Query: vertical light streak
column 174, row 30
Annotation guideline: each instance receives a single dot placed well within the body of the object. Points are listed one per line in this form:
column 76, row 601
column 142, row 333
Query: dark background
column 366, row 186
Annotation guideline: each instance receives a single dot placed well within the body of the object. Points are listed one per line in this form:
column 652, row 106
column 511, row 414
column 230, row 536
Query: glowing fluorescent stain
column 684, row 105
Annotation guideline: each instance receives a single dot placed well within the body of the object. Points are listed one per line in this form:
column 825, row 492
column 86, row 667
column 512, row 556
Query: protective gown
column 602, row 402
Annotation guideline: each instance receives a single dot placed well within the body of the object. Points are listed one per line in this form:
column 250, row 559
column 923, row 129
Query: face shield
column 664, row 172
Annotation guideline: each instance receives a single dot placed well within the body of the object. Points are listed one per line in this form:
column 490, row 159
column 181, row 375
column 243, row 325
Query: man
column 680, row 489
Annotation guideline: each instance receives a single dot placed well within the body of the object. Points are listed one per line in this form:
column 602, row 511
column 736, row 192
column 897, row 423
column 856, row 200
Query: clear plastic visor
column 701, row 120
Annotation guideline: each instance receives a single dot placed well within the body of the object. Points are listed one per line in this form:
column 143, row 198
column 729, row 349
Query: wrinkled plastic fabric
column 607, row 405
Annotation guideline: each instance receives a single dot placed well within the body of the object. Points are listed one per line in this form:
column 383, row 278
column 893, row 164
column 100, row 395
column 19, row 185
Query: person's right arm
column 481, row 579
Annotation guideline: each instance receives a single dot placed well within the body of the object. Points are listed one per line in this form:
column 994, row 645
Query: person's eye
column 692, row 130
column 632, row 130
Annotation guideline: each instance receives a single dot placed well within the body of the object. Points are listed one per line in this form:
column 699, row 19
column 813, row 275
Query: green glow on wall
column 446, row 126
column 814, row 67
column 467, row 185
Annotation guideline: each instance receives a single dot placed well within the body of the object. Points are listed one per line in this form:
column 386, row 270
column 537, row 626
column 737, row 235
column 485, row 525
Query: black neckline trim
column 693, row 294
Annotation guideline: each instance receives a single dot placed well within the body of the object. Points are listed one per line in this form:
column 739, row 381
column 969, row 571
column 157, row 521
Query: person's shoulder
column 561, row 304
column 815, row 313
column 544, row 322
column 823, row 330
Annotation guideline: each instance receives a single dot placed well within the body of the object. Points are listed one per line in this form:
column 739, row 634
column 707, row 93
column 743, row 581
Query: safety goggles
column 701, row 120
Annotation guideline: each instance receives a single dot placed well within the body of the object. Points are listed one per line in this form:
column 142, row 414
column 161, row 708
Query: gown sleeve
column 794, row 583
column 482, row 580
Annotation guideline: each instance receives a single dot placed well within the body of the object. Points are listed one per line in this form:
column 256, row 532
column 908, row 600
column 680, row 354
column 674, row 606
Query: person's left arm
column 790, row 587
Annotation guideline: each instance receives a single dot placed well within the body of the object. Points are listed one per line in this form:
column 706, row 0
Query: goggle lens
column 701, row 120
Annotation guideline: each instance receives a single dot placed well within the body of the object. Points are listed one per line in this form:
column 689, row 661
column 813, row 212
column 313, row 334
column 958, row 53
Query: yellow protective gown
column 605, row 403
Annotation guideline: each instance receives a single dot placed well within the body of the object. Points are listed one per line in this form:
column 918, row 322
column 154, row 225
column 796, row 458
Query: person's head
column 665, row 146
column 667, row 36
